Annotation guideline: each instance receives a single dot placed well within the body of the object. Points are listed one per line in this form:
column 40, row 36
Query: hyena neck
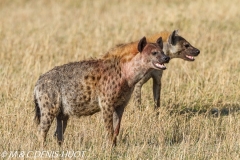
column 134, row 70
column 168, row 50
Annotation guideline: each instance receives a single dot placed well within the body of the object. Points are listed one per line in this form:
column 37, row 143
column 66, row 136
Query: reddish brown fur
column 130, row 49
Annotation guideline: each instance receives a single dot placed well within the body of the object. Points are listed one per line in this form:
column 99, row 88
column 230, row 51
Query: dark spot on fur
column 76, row 85
column 93, row 78
column 88, row 99
column 105, row 78
column 105, row 69
column 88, row 87
column 86, row 77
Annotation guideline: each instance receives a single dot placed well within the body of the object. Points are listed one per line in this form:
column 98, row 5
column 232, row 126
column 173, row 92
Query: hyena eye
column 186, row 45
column 154, row 53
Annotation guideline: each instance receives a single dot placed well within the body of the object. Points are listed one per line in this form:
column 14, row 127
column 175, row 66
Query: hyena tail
column 37, row 111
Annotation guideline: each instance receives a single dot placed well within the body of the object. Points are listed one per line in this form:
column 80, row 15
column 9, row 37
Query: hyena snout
column 190, row 53
column 195, row 52
column 165, row 59
column 158, row 62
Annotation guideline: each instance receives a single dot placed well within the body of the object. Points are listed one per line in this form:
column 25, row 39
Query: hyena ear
column 160, row 42
column 141, row 44
column 172, row 37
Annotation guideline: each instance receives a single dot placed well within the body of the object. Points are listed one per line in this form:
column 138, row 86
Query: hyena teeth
column 160, row 65
column 190, row 57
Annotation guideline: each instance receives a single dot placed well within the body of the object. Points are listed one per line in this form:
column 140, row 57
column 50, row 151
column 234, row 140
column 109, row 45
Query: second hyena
column 175, row 46
column 86, row 87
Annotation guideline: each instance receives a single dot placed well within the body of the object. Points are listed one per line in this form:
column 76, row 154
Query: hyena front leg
column 137, row 97
column 117, row 117
column 107, row 112
column 157, row 76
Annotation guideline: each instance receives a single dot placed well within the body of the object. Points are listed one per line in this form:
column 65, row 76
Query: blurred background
column 200, row 100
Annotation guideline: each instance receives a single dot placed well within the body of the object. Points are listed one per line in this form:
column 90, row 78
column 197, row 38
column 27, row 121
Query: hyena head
column 153, row 54
column 181, row 48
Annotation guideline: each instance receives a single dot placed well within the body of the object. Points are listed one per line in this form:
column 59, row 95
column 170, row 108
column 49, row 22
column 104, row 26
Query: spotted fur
column 87, row 87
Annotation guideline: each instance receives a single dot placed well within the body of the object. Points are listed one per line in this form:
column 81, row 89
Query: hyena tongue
column 190, row 57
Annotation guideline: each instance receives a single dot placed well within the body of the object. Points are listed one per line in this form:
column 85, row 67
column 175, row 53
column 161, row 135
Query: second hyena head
column 181, row 48
column 152, row 53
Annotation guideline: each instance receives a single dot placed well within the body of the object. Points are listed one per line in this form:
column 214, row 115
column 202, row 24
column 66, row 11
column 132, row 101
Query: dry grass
column 35, row 36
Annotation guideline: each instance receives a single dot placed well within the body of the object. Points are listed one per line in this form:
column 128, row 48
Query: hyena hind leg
column 60, row 129
column 45, row 123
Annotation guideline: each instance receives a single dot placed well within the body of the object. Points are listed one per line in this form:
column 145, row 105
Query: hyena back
column 86, row 87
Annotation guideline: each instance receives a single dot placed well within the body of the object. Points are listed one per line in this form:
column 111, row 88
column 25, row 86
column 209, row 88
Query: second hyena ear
column 160, row 42
column 172, row 37
column 141, row 44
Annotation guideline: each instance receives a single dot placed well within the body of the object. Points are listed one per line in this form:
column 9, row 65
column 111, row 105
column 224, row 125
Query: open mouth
column 190, row 58
column 159, row 65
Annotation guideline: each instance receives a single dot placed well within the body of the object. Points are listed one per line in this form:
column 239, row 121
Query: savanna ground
column 199, row 114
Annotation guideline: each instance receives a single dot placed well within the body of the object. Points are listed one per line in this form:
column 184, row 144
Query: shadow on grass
column 220, row 110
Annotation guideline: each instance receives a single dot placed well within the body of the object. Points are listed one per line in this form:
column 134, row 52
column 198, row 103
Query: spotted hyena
column 175, row 46
column 86, row 87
